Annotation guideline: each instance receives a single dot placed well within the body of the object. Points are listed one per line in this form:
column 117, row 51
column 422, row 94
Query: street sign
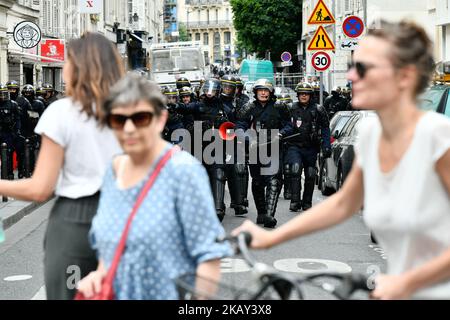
column 27, row 34
column 287, row 63
column 52, row 48
column 321, row 61
column 353, row 27
column 348, row 45
column 321, row 41
column 321, row 15
column 286, row 56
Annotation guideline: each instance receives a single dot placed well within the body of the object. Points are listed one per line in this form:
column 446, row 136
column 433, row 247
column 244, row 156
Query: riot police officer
column 262, row 114
column 241, row 98
column 212, row 113
column 335, row 102
column 30, row 119
column 312, row 126
column 50, row 94
column 40, row 93
column 9, row 129
column 235, row 172
column 284, row 101
column 175, row 120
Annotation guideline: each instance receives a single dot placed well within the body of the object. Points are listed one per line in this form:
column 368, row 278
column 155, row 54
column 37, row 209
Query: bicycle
column 268, row 283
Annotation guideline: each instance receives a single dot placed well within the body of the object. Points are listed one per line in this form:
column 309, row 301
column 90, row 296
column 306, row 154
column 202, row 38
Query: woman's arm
column 208, row 276
column 330, row 212
column 42, row 184
column 402, row 286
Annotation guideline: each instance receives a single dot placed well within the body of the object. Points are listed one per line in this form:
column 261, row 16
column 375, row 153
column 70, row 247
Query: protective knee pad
column 310, row 173
column 296, row 169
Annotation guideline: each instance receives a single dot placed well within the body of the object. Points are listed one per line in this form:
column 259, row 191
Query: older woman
column 401, row 173
column 174, row 230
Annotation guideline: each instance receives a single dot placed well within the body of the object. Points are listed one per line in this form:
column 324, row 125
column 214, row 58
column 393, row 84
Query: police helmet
column 304, row 87
column 211, row 88
column 239, row 83
column 4, row 93
column 170, row 93
column 228, row 82
column 185, row 92
column 182, row 82
column 47, row 87
column 284, row 97
column 28, row 91
column 40, row 91
column 336, row 90
column 263, row 84
column 12, row 84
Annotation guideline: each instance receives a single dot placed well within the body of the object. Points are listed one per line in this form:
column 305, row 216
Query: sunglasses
column 361, row 68
column 140, row 120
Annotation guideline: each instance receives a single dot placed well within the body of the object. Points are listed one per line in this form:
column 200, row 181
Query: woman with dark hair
column 73, row 158
column 174, row 230
column 401, row 172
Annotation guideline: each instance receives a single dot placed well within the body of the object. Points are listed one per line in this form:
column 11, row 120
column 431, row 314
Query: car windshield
column 176, row 59
column 431, row 98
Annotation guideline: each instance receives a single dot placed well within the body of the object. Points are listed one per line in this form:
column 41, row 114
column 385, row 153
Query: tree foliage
column 268, row 25
column 183, row 34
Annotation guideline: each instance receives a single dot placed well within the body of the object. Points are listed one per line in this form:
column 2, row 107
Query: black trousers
column 68, row 255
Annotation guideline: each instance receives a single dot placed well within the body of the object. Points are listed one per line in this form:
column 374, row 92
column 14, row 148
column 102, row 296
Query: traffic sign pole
column 321, row 88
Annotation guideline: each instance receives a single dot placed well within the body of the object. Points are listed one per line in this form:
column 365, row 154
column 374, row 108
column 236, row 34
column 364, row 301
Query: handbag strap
column 121, row 247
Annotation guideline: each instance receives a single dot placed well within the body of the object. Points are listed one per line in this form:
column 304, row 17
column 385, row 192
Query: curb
column 10, row 219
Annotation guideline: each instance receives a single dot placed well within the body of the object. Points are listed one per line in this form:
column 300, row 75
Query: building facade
column 211, row 22
column 132, row 24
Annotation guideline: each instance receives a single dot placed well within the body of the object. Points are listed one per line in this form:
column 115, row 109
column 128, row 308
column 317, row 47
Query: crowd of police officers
column 303, row 133
column 20, row 111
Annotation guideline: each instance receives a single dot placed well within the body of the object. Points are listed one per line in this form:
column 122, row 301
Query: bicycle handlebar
column 349, row 283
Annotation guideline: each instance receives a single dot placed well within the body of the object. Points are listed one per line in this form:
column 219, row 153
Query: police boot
column 310, row 176
column 287, row 182
column 260, row 199
column 296, row 204
column 218, row 190
column 236, row 186
column 272, row 194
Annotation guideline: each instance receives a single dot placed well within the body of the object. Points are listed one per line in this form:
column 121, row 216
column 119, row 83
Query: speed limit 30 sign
column 321, row 61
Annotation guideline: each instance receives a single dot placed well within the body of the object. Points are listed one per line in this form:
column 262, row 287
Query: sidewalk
column 13, row 211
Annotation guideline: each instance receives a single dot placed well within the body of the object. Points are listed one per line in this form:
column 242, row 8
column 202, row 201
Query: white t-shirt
column 408, row 209
column 88, row 149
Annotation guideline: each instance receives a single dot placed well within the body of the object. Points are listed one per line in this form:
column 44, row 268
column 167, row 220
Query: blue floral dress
column 172, row 233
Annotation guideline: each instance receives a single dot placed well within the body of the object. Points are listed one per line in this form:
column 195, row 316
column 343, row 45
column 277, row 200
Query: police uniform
column 312, row 128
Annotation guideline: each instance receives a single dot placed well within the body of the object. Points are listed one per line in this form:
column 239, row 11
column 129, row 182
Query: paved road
column 346, row 247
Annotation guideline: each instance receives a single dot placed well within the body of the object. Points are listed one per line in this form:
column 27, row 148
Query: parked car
column 337, row 123
column 436, row 98
column 335, row 169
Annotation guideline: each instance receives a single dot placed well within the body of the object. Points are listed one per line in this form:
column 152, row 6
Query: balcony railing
column 204, row 2
column 209, row 24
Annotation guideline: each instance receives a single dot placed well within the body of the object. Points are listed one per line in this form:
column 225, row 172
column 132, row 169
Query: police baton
column 282, row 139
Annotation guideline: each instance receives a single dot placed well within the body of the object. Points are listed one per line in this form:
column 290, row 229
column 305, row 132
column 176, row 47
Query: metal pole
column 321, row 88
column 282, row 78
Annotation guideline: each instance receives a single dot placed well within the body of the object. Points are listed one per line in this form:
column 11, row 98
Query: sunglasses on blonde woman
column 361, row 68
column 139, row 119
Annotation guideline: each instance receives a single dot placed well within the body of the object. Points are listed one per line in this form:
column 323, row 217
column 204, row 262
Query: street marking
column 40, row 295
column 18, row 278
column 311, row 266
column 229, row 265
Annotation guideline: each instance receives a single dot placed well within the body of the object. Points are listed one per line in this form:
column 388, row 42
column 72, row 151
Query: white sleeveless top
column 408, row 209
column 88, row 149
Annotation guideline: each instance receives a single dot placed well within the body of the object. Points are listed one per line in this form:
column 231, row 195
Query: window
column 227, row 14
column 217, row 15
column 227, row 37
column 217, row 39
column 197, row 37
column 207, row 16
column 206, row 39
